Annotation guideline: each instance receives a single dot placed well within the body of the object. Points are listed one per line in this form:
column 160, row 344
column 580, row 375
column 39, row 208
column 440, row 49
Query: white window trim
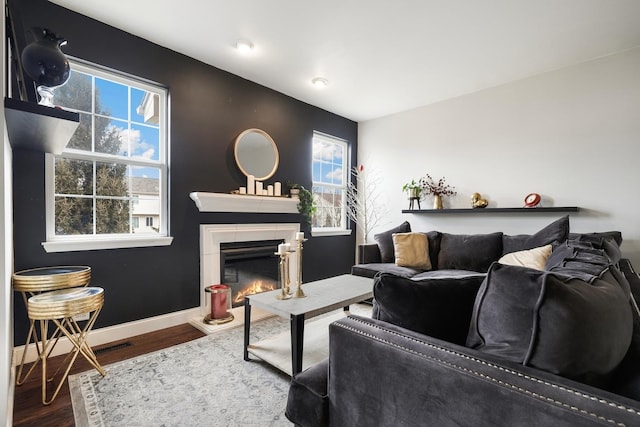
column 55, row 243
column 343, row 230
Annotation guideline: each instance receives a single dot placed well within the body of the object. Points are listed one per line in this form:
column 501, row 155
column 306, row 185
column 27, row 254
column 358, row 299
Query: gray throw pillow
column 556, row 232
column 385, row 241
column 473, row 252
column 557, row 323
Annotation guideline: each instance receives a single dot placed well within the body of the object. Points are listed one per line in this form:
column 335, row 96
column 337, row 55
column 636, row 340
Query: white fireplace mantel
column 219, row 202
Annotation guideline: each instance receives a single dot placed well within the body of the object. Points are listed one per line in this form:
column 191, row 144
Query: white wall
column 572, row 135
column 6, row 263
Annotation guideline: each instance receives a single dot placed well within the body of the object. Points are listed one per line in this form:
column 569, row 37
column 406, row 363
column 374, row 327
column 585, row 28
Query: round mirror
column 256, row 154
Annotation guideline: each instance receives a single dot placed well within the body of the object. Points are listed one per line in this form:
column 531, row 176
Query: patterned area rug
column 204, row 382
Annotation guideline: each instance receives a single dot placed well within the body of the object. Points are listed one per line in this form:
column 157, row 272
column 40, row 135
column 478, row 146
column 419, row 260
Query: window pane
column 76, row 93
column 144, row 142
column 112, row 216
column 73, row 176
column 74, row 215
column 81, row 138
column 112, row 99
column 112, row 180
column 111, row 136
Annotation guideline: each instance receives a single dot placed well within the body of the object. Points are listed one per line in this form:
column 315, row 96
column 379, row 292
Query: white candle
column 259, row 188
column 251, row 186
column 277, row 189
column 269, row 190
column 287, row 246
column 281, row 249
column 243, row 190
column 300, row 235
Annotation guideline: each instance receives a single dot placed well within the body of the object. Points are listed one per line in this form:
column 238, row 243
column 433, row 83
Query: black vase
column 45, row 63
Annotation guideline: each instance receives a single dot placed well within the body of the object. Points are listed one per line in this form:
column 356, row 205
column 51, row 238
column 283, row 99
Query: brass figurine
column 478, row 202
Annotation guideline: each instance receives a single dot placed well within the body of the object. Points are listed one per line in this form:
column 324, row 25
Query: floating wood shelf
column 492, row 210
column 36, row 127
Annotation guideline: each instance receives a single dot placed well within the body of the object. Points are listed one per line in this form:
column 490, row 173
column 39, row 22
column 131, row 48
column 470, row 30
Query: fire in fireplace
column 249, row 268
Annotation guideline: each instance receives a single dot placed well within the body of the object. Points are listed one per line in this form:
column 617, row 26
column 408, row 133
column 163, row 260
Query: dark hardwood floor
column 28, row 407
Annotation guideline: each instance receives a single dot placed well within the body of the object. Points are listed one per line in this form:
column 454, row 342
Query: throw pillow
column 473, row 252
column 385, row 241
column 557, row 323
column 532, row 258
column 556, row 232
column 412, row 250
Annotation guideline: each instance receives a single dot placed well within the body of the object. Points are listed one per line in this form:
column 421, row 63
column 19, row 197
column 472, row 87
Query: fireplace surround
column 211, row 238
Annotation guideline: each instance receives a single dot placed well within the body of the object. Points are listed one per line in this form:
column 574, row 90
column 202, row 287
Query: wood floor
column 28, row 408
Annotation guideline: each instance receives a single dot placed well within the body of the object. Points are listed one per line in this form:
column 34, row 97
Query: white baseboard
column 113, row 333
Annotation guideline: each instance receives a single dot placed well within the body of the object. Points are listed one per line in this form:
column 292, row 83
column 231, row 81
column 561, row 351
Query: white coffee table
column 322, row 296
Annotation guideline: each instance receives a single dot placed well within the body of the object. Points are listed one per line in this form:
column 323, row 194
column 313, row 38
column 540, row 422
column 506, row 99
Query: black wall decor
column 209, row 108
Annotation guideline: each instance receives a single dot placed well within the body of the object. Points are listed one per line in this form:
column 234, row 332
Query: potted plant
column 307, row 204
column 413, row 188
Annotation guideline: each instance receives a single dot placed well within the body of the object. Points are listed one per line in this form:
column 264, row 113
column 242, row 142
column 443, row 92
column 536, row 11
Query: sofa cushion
column 473, row 252
column 553, row 322
column 556, row 232
column 437, row 306
column 370, row 270
column 385, row 241
column 532, row 258
column 412, row 250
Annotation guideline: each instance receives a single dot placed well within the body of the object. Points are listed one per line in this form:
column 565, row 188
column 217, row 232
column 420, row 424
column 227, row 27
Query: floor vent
column 113, row 347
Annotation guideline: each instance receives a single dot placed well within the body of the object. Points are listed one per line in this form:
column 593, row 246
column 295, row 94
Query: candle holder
column 284, row 274
column 299, row 293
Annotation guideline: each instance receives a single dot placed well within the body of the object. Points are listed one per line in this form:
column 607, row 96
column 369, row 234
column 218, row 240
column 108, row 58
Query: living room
column 545, row 133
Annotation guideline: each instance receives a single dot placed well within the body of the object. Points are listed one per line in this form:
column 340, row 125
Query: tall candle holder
column 284, row 274
column 299, row 293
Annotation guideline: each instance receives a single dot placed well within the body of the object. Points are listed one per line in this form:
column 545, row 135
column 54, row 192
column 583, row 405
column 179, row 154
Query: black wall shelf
column 36, row 127
column 492, row 210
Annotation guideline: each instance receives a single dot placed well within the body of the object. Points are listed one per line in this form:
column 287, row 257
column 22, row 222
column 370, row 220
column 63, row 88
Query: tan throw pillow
column 412, row 250
column 532, row 258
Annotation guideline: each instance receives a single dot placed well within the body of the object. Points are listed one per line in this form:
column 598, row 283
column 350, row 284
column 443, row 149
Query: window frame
column 344, row 229
column 64, row 243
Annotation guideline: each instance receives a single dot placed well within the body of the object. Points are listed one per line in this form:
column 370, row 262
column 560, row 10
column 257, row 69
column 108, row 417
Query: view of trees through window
column 329, row 181
column 109, row 175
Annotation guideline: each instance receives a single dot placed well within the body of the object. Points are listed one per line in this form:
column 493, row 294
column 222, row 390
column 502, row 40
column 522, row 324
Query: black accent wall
column 209, row 108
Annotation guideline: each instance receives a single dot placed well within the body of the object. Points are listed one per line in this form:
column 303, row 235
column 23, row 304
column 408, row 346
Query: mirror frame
column 273, row 145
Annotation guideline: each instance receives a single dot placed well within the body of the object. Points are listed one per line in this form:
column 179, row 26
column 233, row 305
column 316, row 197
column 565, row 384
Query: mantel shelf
column 220, row 202
column 492, row 210
column 36, row 127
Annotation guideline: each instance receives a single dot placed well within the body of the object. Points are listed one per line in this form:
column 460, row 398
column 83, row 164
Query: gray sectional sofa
column 508, row 346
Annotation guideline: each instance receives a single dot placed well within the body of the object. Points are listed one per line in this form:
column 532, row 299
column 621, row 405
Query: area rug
column 204, row 382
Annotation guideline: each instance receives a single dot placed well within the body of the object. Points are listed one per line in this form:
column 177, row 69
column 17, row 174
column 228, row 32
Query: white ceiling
column 379, row 56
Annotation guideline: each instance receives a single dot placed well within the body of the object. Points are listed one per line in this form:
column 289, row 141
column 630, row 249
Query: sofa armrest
column 380, row 374
column 369, row 253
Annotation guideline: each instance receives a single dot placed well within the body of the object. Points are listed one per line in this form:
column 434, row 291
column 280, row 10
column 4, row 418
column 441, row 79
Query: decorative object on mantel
column 478, row 202
column 532, row 200
column 437, row 189
column 256, row 155
column 363, row 200
column 307, row 203
column 256, row 188
column 414, row 189
column 45, row 63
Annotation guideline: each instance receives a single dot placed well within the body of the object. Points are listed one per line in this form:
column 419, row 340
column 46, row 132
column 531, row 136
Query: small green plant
column 307, row 204
column 413, row 188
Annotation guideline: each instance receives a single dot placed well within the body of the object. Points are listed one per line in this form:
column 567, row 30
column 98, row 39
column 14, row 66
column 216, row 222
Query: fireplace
column 249, row 268
column 214, row 239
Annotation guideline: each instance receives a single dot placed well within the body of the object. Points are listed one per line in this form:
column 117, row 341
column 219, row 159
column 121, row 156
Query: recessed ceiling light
column 320, row 82
column 244, row 46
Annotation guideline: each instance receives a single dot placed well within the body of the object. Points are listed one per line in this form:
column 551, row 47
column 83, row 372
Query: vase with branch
column 437, row 189
column 363, row 201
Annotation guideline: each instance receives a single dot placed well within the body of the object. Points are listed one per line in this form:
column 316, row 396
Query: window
column 330, row 171
column 114, row 169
